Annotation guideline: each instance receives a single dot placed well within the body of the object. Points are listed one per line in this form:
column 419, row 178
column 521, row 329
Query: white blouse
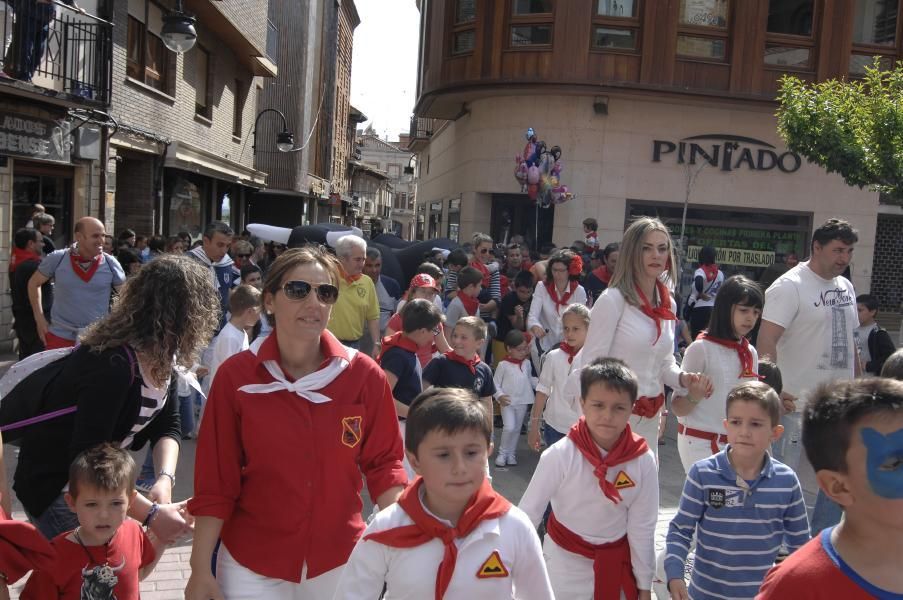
column 547, row 315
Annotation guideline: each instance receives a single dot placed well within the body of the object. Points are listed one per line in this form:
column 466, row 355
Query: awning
column 186, row 157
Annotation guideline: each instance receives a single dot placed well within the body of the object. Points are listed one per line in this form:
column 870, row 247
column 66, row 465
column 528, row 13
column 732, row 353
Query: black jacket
column 880, row 348
column 108, row 397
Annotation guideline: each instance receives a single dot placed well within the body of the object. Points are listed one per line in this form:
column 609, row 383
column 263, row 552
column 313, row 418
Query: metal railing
column 421, row 127
column 58, row 48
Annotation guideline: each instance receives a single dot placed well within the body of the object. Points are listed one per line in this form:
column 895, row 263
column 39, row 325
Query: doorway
column 515, row 214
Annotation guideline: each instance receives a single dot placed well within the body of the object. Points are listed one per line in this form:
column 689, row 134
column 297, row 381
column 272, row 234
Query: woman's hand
column 538, row 332
column 788, row 401
column 202, row 585
column 533, row 438
column 161, row 493
column 504, row 400
column 172, row 522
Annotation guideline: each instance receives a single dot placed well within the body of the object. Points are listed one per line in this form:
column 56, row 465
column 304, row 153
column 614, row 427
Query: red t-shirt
column 285, row 472
column 424, row 353
column 128, row 551
column 815, row 572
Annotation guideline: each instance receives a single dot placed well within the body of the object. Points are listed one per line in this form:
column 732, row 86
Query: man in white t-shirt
column 807, row 329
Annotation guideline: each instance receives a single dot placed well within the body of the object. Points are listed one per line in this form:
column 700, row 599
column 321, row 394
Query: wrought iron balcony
column 59, row 51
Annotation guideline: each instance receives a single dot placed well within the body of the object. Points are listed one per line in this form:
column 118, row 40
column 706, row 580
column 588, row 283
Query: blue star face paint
column 884, row 462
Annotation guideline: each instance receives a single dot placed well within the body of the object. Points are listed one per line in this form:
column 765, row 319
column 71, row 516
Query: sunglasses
column 484, row 250
column 242, row 256
column 299, row 290
column 436, row 330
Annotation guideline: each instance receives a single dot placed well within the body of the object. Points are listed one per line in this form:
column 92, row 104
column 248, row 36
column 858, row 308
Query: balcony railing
column 57, row 48
column 421, row 128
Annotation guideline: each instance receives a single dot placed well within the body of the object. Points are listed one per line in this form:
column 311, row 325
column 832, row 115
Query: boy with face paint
column 853, row 435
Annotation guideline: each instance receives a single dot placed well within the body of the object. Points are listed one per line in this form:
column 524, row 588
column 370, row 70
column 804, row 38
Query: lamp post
column 178, row 32
column 285, row 139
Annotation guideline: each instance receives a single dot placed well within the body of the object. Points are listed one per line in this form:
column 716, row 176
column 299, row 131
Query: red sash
column 747, row 369
column 612, row 568
column 85, row 274
column 486, row 504
column 571, row 352
column 628, row 447
column 471, row 364
column 648, row 407
column 563, row 301
column 603, row 274
column 471, row 304
column 659, row 313
column 398, row 340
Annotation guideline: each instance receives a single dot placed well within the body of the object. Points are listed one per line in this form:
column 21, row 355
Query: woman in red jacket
column 287, row 434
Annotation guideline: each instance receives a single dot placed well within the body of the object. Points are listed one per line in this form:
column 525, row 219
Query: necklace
column 106, row 548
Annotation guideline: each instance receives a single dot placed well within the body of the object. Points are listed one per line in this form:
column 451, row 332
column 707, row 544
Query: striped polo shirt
column 739, row 526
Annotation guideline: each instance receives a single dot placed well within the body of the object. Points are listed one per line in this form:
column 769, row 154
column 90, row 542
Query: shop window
column 789, row 40
column 464, row 27
column 530, row 23
column 32, row 181
column 616, row 25
column 703, row 29
column 874, row 35
column 147, row 58
column 202, row 104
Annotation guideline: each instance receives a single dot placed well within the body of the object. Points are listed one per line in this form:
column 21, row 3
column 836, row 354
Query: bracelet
column 536, row 418
column 150, row 515
column 171, row 476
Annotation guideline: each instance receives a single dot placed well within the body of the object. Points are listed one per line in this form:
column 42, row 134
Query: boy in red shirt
column 108, row 553
column 853, row 436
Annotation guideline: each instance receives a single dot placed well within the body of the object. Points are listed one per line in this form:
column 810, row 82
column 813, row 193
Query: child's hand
column 538, row 332
column 533, row 438
column 699, row 386
column 504, row 400
column 678, row 589
column 788, row 400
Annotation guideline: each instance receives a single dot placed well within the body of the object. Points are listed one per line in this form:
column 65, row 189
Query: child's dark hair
column 468, row 276
column 430, row 269
column 514, row 338
column 105, row 467
column 419, row 314
column 833, row 411
column 591, row 224
column 867, row 300
column 707, row 256
column 475, row 324
column 834, row 229
column 249, row 269
column 736, row 289
column 613, row 373
column 524, row 279
column 457, row 258
column 761, row 394
column 771, row 374
column 242, row 298
column 893, row 366
column 448, row 410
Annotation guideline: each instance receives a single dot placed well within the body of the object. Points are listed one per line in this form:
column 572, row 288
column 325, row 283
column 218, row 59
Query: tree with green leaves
column 854, row 128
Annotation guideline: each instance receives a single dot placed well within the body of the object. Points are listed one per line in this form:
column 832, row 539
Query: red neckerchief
column 486, row 504
column 628, row 447
column 397, row 340
column 514, row 361
column 471, row 304
column 563, row 301
column 711, row 271
column 85, row 274
column 19, row 256
column 743, row 352
column 571, row 352
column 479, row 266
column 659, row 313
column 349, row 278
column 471, row 364
column 603, row 274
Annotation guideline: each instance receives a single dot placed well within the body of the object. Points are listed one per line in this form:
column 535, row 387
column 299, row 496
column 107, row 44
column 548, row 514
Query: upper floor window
column 789, row 40
column 238, row 107
column 147, row 58
column 703, row 29
column 531, row 23
column 203, row 105
column 874, row 34
column 616, row 25
column 463, row 30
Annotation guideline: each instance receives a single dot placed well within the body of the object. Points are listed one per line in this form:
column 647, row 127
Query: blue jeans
column 826, row 513
column 550, row 435
column 789, row 448
column 147, row 469
column 56, row 519
column 186, row 412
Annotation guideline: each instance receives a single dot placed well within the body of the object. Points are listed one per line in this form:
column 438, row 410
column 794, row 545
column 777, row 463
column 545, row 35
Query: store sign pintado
column 31, row 137
column 734, row 256
column 727, row 152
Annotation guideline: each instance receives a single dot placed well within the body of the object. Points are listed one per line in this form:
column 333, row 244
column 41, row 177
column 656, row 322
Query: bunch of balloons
column 539, row 172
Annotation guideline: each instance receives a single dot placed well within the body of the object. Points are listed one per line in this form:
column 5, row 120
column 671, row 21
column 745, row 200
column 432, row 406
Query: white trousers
column 240, row 583
column 647, row 428
column 512, row 421
column 693, row 449
column 571, row 575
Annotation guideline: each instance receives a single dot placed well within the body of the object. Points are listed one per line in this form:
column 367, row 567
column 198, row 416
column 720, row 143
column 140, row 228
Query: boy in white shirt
column 515, row 386
column 450, row 535
column 599, row 542
column 244, row 306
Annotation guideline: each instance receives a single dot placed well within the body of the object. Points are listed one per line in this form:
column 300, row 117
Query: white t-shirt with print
column 818, row 316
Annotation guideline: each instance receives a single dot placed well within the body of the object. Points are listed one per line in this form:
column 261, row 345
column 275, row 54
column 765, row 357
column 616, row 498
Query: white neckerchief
column 307, row 386
column 201, row 256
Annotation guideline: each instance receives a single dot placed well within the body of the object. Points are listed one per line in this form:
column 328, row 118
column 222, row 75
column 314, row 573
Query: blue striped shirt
column 739, row 526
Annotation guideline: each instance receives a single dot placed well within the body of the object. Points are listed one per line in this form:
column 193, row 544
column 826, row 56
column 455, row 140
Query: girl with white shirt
column 726, row 357
column 551, row 297
column 633, row 320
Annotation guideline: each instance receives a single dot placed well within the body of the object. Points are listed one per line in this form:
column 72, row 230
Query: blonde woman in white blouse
column 550, row 299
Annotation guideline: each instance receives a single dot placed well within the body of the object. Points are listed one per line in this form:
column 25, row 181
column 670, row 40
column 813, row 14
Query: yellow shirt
column 357, row 304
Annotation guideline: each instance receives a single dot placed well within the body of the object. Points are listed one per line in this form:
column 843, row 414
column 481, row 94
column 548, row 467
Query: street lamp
column 285, row 139
column 178, row 32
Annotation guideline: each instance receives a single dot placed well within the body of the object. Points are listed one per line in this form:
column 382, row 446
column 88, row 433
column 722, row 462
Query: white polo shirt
column 562, row 412
column 516, row 382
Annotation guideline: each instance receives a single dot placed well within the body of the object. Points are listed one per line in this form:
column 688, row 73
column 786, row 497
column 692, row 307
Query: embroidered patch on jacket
column 492, row 567
column 361, row 292
column 351, row 431
column 717, row 498
column 623, row 481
